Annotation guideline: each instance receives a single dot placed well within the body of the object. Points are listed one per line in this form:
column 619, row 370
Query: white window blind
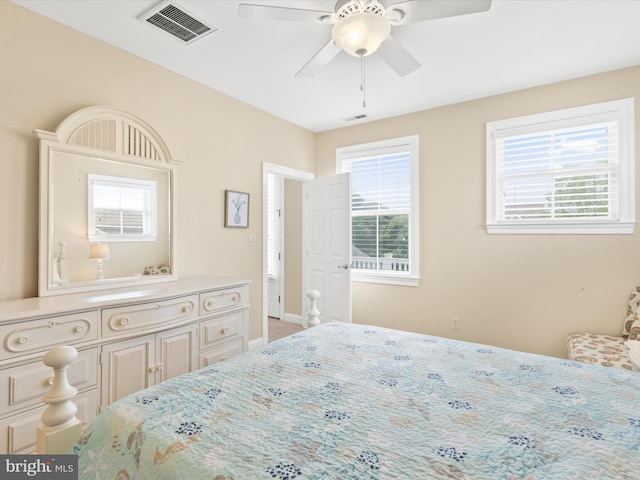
column 562, row 174
column 572, row 173
column 121, row 208
column 383, row 209
column 380, row 203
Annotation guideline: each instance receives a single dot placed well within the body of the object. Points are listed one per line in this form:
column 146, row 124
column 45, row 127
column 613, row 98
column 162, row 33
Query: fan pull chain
column 363, row 82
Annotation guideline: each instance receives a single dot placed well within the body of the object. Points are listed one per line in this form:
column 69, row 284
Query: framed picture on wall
column 236, row 209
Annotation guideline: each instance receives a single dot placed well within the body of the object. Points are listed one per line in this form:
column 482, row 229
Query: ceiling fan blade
column 319, row 60
column 411, row 11
column 397, row 57
column 265, row 12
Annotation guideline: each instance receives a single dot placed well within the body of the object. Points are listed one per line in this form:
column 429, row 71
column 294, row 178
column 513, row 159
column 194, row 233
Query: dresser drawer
column 26, row 384
column 40, row 335
column 220, row 329
column 146, row 316
column 18, row 433
column 221, row 300
column 220, row 353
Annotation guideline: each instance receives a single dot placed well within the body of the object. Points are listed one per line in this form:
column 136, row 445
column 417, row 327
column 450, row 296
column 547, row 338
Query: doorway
column 284, row 250
column 275, row 248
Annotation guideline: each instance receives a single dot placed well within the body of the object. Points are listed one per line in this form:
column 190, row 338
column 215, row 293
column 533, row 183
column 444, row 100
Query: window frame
column 150, row 222
column 618, row 111
column 387, row 147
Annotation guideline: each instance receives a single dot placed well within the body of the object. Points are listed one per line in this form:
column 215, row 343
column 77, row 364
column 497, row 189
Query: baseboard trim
column 255, row 344
column 290, row 317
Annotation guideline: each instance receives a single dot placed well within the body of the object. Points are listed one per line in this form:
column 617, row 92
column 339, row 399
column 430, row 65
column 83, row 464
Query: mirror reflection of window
column 121, row 209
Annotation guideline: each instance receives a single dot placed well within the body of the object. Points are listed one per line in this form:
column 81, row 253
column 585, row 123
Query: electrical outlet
column 253, row 241
column 455, row 323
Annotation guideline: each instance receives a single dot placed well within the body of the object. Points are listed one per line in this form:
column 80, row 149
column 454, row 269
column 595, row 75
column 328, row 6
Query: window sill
column 404, row 281
column 573, row 228
column 121, row 238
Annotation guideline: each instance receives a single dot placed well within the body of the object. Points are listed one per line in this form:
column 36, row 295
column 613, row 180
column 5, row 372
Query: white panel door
column 274, row 297
column 327, row 245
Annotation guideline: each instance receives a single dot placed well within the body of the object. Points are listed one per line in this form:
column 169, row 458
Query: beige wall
column 525, row 292
column 54, row 71
column 293, row 247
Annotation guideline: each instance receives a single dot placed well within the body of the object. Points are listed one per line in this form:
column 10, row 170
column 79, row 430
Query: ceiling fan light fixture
column 360, row 34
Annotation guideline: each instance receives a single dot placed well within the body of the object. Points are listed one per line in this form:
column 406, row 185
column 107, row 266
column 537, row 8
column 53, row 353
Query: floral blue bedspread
column 346, row 401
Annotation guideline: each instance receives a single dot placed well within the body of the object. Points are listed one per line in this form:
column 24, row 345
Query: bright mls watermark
column 39, row 467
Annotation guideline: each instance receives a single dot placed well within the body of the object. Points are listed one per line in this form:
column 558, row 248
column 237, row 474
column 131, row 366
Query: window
column 384, row 209
column 568, row 171
column 121, row 209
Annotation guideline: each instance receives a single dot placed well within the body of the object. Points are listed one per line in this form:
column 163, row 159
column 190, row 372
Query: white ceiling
column 516, row 44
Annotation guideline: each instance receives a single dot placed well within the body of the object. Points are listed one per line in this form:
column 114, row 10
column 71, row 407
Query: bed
column 346, row 401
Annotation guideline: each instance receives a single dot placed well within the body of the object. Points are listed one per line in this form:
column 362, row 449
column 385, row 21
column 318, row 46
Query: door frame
column 287, row 173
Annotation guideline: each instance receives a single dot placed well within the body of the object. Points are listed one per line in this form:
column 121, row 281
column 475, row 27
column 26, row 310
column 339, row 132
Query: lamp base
column 100, row 270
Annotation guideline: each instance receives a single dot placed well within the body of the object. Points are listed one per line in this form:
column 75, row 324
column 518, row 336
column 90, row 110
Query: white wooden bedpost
column 313, row 313
column 60, row 429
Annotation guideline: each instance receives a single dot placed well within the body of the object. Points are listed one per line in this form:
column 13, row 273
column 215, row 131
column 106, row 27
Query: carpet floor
column 280, row 328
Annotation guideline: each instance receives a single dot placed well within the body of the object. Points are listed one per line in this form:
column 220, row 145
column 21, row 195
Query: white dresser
column 127, row 339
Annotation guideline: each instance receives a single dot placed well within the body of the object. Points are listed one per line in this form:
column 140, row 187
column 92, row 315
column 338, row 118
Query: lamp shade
column 360, row 34
column 99, row 251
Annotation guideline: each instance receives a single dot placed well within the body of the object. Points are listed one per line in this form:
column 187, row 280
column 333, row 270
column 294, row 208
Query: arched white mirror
column 107, row 204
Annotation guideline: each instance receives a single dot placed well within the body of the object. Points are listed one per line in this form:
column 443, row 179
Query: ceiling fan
column 362, row 27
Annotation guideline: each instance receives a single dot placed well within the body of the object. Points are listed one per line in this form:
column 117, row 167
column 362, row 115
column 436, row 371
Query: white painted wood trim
column 255, row 344
column 111, row 134
column 60, row 428
column 313, row 314
column 293, row 318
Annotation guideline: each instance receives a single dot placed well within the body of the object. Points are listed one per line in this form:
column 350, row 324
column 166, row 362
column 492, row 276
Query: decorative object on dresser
column 106, row 176
column 127, row 339
column 99, row 252
column 61, row 267
column 608, row 350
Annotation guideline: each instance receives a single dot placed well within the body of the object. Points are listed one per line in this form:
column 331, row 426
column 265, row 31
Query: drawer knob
column 224, row 330
column 234, row 298
column 187, row 309
column 124, row 321
column 23, row 340
column 50, row 381
column 153, row 368
column 79, row 329
column 210, row 303
column 159, row 366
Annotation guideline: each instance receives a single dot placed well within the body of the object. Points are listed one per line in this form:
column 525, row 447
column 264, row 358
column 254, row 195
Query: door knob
column 345, row 266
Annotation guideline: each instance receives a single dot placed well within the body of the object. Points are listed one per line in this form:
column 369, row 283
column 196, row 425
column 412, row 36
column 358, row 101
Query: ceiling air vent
column 176, row 21
column 355, row 117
